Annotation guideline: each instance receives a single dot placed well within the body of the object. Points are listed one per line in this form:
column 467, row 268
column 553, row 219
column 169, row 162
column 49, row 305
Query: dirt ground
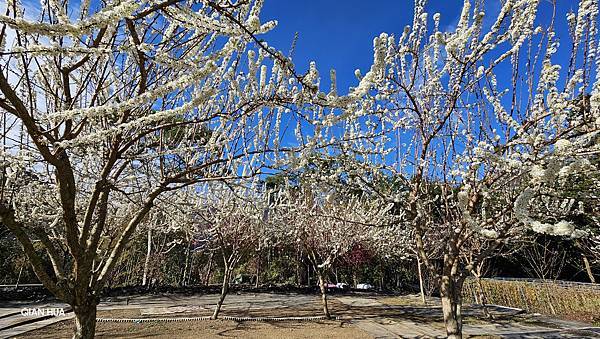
column 209, row 329
column 204, row 329
column 370, row 316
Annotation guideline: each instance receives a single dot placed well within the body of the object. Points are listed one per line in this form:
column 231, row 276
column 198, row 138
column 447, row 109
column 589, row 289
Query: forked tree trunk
column 323, row 294
column 224, row 291
column 588, row 269
column 85, row 321
column 451, row 294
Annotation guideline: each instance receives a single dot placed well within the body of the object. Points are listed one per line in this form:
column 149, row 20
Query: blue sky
column 339, row 34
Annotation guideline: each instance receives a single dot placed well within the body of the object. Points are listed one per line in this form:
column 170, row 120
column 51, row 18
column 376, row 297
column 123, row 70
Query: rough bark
column 450, row 291
column 323, row 295
column 85, row 321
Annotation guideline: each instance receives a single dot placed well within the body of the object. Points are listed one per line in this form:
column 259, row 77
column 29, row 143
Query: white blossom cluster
column 486, row 137
column 128, row 109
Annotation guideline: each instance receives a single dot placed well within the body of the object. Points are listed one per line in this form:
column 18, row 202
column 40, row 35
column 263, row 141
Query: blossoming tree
column 115, row 105
column 475, row 153
column 231, row 219
column 326, row 224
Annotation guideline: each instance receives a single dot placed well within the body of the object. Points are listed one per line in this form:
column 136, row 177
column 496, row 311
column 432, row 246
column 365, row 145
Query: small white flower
column 543, row 228
column 537, row 173
column 490, row 234
column 564, row 228
column 562, row 146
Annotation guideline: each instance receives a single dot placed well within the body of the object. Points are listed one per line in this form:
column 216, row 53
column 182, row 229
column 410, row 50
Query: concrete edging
column 146, row 320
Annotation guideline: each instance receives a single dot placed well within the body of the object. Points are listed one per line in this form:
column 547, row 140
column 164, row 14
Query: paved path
column 425, row 324
column 373, row 314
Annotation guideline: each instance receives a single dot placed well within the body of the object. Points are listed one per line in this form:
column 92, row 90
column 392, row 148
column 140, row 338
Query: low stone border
column 147, row 320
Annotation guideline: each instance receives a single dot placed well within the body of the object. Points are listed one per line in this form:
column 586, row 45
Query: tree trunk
column 481, row 296
column 19, row 276
column 381, row 277
column 85, row 321
column 209, row 270
column 256, row 283
column 224, row 291
column 147, row 261
column 298, row 278
column 186, row 266
column 354, row 277
column 188, row 278
column 450, row 291
column 323, row 295
column 421, row 287
column 588, row 269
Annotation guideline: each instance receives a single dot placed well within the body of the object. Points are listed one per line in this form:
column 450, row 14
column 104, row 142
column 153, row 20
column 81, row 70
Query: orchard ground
column 359, row 315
